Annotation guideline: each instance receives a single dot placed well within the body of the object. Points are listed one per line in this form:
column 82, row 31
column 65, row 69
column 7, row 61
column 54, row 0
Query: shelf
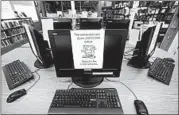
column 22, row 40
column 16, row 19
column 13, row 46
column 113, row 19
column 14, row 35
column 112, row 8
column 118, row 14
column 11, row 28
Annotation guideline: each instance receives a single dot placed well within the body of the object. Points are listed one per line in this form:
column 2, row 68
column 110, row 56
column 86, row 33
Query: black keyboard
column 79, row 99
column 161, row 70
column 16, row 73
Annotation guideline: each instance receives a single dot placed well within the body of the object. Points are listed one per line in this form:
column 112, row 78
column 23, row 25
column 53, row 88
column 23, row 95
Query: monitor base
column 87, row 82
column 139, row 62
column 39, row 65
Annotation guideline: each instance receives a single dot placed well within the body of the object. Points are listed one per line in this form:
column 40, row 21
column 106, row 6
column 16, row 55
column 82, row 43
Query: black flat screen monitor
column 39, row 48
column 117, row 24
column 146, row 40
column 141, row 53
column 62, row 23
column 61, row 44
column 90, row 23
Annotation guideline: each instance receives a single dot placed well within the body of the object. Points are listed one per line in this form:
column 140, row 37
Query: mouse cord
column 70, row 85
column 124, row 85
column 36, row 70
column 35, row 81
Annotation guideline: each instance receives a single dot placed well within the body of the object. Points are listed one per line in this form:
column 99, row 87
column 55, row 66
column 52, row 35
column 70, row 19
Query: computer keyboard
column 82, row 101
column 16, row 73
column 161, row 70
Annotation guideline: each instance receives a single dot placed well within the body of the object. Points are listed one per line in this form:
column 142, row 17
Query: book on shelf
column 12, row 32
column 14, row 23
column 3, row 35
column 9, row 41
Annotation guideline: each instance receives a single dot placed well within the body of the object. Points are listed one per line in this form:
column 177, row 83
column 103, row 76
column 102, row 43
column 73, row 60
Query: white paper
column 47, row 24
column 88, row 47
column 154, row 39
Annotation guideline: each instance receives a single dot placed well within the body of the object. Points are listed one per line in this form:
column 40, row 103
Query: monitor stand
column 87, row 82
column 38, row 64
column 139, row 62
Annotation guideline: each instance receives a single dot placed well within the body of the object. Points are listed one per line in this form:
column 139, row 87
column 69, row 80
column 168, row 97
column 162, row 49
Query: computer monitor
column 62, row 23
column 141, row 55
column 39, row 47
column 117, row 24
column 61, row 44
column 90, row 23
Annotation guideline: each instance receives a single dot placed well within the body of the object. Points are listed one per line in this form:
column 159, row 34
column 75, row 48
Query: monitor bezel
column 62, row 21
column 90, row 20
column 147, row 41
column 34, row 44
column 84, row 72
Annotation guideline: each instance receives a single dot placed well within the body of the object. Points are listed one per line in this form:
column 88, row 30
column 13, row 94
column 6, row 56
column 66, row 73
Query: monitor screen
column 114, row 43
column 117, row 24
column 146, row 40
column 62, row 23
column 155, row 37
column 90, row 23
column 34, row 38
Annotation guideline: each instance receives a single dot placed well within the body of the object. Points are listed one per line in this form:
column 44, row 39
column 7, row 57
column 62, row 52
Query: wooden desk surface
column 158, row 97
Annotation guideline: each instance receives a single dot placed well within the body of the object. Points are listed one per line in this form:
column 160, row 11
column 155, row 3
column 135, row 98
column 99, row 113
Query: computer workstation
column 64, row 65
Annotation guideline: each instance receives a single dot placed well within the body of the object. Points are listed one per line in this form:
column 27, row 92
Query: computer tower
column 140, row 57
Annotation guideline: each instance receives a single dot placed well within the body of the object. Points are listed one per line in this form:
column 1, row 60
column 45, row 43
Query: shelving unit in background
column 118, row 10
column 54, row 6
column 13, row 33
column 155, row 11
column 87, row 5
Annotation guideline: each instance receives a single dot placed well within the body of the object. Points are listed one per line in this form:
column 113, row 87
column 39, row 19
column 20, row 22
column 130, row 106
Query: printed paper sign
column 88, row 47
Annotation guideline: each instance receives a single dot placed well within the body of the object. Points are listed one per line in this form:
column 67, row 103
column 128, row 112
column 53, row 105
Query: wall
column 174, row 46
column 47, row 24
column 28, row 7
column 6, row 10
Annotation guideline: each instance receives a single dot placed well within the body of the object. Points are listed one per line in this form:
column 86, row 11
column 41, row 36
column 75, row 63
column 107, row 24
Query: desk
column 158, row 97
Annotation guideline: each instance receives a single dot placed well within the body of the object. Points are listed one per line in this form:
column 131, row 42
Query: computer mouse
column 17, row 94
column 170, row 60
column 141, row 109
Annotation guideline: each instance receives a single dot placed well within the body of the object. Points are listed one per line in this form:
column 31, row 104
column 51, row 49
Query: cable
column 124, row 85
column 36, row 70
column 69, row 85
column 34, row 82
column 153, row 59
column 129, row 89
column 24, row 47
column 67, row 81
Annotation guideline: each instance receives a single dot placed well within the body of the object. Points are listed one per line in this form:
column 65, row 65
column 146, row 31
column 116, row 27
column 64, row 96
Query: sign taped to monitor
column 87, row 48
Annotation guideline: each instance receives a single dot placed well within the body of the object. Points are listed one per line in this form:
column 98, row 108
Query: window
column 28, row 7
column 6, row 11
